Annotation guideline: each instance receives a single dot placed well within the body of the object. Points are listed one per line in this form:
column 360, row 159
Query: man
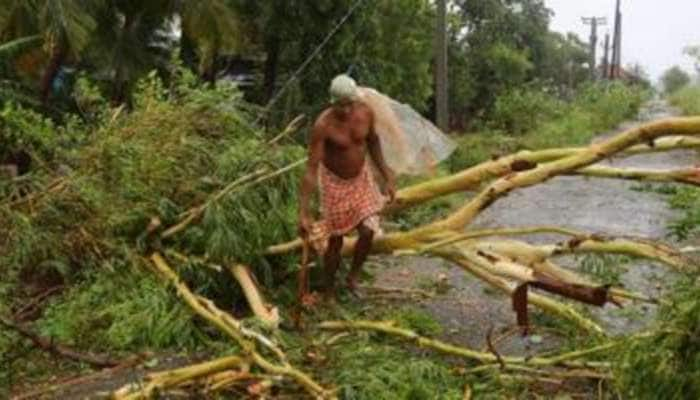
column 341, row 138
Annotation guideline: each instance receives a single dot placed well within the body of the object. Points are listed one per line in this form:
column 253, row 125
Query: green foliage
column 666, row 364
column 594, row 109
column 507, row 45
column 521, row 110
column 687, row 200
column 177, row 148
column 606, row 268
column 417, row 320
column 674, row 79
column 687, row 99
column 495, row 47
column 384, row 372
column 123, row 310
column 474, row 148
column 609, row 104
column 384, row 44
column 508, row 66
column 24, row 129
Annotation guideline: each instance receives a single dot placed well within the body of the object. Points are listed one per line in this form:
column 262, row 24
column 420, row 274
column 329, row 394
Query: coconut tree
column 61, row 29
column 213, row 28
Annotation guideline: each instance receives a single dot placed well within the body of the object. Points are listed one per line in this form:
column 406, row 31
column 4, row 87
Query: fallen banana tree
column 508, row 264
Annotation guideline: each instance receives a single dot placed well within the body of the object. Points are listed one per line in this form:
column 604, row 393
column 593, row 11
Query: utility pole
column 617, row 44
column 594, row 22
column 606, row 59
column 441, row 101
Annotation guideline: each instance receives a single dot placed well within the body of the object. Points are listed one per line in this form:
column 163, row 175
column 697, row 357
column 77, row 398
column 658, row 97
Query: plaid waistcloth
column 345, row 203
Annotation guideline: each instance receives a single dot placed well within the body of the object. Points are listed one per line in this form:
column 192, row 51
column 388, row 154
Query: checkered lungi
column 345, row 203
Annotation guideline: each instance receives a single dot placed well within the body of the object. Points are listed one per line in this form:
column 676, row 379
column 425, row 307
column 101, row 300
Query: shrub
column 687, row 99
column 522, row 110
column 140, row 313
column 176, row 149
column 22, row 129
column 610, row 103
column 667, row 363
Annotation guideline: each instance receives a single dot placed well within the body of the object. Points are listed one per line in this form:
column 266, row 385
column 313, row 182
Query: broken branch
column 237, row 332
column 49, row 345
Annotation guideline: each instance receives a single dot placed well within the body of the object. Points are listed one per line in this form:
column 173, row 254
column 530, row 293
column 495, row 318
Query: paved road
column 587, row 204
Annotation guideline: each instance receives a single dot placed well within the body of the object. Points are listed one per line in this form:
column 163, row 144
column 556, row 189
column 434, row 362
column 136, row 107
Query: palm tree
column 63, row 26
column 214, row 29
column 136, row 36
column 131, row 40
column 119, row 40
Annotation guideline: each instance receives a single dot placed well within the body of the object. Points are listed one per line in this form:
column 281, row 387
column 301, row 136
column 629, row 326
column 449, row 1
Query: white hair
column 343, row 87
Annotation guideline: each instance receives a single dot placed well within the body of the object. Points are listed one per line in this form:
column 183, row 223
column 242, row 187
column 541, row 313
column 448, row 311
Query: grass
column 605, row 268
column 667, row 364
column 368, row 366
column 687, row 99
column 596, row 109
column 687, row 200
column 684, row 199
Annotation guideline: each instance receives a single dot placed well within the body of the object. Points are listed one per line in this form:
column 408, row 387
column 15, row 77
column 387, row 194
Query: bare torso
column 345, row 139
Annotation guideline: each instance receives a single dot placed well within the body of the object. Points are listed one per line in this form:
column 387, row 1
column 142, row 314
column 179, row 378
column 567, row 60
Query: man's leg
column 331, row 262
column 362, row 248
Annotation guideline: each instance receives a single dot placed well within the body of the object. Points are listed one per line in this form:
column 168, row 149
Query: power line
column 606, row 57
column 308, row 60
column 616, row 63
column 594, row 22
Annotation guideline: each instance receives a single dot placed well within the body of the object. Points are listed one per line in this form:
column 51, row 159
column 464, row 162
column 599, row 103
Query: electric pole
column 617, row 44
column 606, row 59
column 594, row 22
column 441, row 101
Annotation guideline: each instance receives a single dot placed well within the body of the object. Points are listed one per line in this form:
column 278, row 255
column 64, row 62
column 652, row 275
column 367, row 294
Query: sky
column 654, row 32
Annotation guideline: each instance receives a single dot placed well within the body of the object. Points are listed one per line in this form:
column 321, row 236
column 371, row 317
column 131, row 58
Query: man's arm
column 375, row 151
column 309, row 180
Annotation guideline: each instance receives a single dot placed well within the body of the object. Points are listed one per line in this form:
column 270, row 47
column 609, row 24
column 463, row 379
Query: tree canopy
column 674, row 78
column 495, row 47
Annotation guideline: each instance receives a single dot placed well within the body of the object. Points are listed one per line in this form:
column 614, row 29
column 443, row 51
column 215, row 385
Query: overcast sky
column 654, row 32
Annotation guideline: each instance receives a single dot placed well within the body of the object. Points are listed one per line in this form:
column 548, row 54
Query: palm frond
column 11, row 48
column 212, row 24
column 17, row 20
column 68, row 20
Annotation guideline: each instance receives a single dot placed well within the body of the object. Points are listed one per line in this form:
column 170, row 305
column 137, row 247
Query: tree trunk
column 271, row 62
column 55, row 62
column 119, row 86
column 210, row 74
